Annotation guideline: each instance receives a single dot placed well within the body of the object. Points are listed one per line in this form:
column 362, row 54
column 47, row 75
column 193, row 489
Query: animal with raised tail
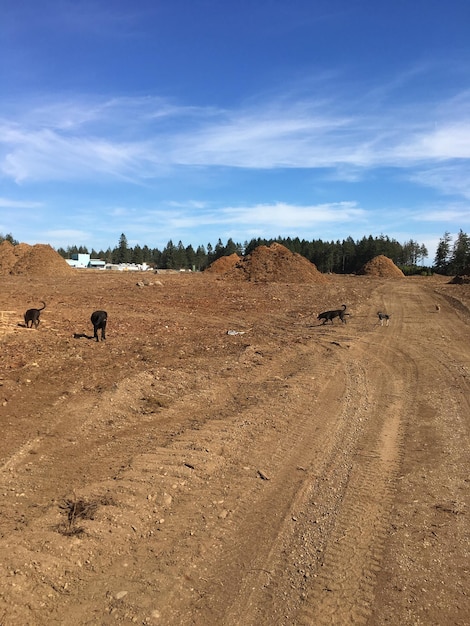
column 31, row 317
column 330, row 315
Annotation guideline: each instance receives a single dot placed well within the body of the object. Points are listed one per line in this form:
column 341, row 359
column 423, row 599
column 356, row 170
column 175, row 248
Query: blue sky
column 194, row 120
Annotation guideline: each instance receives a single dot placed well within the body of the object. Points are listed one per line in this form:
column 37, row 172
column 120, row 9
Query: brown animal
column 99, row 319
column 31, row 317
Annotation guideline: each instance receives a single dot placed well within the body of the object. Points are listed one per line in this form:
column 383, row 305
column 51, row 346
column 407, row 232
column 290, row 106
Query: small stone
column 120, row 595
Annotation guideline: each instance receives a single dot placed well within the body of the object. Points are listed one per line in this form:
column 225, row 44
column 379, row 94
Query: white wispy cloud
column 451, row 178
column 7, row 203
column 143, row 138
column 282, row 215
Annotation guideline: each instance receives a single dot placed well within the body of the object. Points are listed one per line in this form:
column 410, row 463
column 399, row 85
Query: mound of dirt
column 275, row 264
column 223, row 264
column 382, row 267
column 38, row 260
column 462, row 279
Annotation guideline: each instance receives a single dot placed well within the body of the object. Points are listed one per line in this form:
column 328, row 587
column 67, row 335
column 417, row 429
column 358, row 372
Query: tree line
column 340, row 257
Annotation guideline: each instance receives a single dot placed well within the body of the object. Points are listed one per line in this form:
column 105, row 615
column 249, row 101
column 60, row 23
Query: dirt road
column 225, row 459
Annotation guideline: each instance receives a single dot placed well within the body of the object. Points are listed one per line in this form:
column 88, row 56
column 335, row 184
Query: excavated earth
column 225, row 459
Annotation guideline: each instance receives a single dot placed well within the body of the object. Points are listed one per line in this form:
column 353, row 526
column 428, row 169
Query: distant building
column 83, row 261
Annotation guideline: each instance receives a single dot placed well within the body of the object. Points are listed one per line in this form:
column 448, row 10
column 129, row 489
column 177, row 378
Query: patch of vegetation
column 78, row 509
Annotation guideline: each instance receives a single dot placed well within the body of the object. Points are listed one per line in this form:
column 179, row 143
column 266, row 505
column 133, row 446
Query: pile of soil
column 275, row 264
column 223, row 264
column 462, row 279
column 382, row 267
column 38, row 260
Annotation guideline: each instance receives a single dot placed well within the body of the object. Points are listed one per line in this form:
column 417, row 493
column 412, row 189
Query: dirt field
column 282, row 473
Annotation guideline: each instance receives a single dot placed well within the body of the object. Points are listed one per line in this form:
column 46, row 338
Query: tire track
column 343, row 588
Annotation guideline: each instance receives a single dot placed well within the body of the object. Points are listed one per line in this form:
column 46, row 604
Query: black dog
column 383, row 317
column 31, row 317
column 99, row 319
column 330, row 315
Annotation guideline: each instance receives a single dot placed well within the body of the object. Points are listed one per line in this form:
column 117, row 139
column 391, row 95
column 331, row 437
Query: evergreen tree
column 9, row 237
column 231, row 247
column 190, row 257
column 146, row 254
column 137, row 255
column 441, row 260
column 201, row 258
column 122, row 254
column 179, row 257
column 460, row 259
column 167, row 260
column 210, row 254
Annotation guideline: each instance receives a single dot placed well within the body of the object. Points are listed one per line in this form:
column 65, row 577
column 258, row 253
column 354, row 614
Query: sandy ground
column 282, row 473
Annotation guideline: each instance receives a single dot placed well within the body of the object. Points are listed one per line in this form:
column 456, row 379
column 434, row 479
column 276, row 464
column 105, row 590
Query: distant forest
column 339, row 257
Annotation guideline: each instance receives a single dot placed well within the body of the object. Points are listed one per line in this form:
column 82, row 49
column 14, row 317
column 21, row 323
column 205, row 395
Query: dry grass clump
column 79, row 509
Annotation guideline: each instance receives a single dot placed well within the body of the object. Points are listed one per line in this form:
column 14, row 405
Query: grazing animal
column 330, row 315
column 384, row 317
column 438, row 308
column 99, row 319
column 31, row 317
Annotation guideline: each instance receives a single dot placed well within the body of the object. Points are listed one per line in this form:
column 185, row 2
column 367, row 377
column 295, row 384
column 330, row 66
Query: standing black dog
column 31, row 317
column 330, row 315
column 99, row 319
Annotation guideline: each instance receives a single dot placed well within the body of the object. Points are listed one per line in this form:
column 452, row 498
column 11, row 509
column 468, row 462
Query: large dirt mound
column 382, row 267
column 38, row 260
column 223, row 264
column 275, row 264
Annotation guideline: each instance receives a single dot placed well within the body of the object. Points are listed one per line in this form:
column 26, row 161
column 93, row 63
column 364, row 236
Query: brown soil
column 381, row 266
column 38, row 260
column 269, row 264
column 283, row 473
column 224, row 264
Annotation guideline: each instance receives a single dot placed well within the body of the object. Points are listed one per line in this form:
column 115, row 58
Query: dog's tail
column 44, row 305
column 344, row 307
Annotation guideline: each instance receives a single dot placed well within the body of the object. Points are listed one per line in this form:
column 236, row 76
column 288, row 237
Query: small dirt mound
column 461, row 279
column 275, row 264
column 37, row 260
column 382, row 267
column 223, row 264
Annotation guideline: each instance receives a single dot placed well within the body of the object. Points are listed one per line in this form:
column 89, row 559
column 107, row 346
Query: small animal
column 99, row 319
column 384, row 317
column 330, row 315
column 31, row 317
column 438, row 308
